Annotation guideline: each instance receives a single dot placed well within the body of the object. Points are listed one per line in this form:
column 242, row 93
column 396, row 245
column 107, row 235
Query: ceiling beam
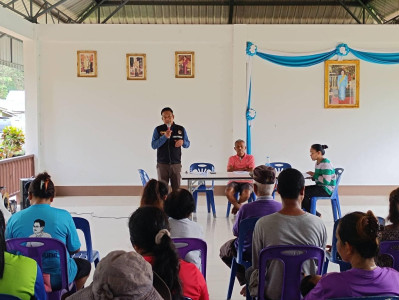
column 49, row 8
column 115, row 11
column 371, row 13
column 16, row 11
column 352, row 3
column 88, row 12
column 231, row 11
column 9, row 3
column 349, row 11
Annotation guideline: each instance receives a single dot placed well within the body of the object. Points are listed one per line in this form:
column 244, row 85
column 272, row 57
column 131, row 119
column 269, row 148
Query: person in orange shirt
column 239, row 162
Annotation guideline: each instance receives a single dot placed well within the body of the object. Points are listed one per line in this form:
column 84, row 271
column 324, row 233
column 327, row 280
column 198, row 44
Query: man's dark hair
column 290, row 183
column 41, row 222
column 166, row 109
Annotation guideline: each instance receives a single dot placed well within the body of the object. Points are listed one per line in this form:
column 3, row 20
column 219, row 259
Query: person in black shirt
column 168, row 139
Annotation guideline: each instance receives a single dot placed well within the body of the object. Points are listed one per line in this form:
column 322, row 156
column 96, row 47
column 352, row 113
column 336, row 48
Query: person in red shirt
column 239, row 162
column 150, row 237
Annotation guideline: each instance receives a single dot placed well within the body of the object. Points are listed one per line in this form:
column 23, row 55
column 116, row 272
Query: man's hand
column 178, row 143
column 310, row 173
column 168, row 133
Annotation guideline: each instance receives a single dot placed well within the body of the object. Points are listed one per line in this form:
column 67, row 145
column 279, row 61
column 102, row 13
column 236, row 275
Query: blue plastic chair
column 292, row 257
column 391, row 248
column 8, row 297
column 203, row 188
column 336, row 207
column 143, row 176
column 279, row 166
column 44, row 244
column 90, row 254
column 333, row 255
column 252, row 198
column 246, row 227
column 192, row 244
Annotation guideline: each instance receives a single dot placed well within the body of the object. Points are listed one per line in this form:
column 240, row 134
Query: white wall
column 97, row 131
column 290, row 103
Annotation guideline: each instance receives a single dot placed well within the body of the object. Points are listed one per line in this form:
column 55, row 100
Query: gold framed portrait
column 87, row 63
column 341, row 84
column 136, row 66
column 184, row 64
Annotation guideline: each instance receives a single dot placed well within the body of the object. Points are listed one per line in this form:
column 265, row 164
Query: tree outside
column 10, row 79
column 12, row 138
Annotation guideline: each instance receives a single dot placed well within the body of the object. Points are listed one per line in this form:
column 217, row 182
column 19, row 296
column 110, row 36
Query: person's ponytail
column 149, row 232
column 166, row 265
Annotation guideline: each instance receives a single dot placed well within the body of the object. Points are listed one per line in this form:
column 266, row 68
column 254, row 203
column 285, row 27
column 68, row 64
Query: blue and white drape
column 305, row 61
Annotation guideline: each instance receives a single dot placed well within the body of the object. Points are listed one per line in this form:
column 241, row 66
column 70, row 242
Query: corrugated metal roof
column 206, row 11
column 11, row 51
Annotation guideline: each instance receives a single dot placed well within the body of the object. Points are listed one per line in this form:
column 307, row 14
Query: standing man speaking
column 168, row 139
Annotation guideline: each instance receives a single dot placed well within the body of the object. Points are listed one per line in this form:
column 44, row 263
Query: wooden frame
column 184, row 64
column 87, row 63
column 136, row 66
column 341, row 84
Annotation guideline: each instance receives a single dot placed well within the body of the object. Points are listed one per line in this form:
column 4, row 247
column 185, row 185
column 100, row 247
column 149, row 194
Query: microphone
column 168, row 125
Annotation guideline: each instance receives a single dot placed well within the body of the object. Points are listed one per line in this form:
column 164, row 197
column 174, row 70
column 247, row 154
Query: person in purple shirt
column 357, row 243
column 264, row 184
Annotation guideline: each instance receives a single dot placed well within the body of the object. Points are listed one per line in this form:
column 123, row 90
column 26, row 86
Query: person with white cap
column 120, row 275
column 264, row 185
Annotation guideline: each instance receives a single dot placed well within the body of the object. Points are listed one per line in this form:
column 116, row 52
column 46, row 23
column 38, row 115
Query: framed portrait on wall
column 136, row 66
column 341, row 84
column 184, row 64
column 87, row 63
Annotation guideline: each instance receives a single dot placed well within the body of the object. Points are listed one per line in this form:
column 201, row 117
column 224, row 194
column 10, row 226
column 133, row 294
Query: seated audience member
column 20, row 276
column 120, row 275
column 154, row 194
column 357, row 243
column 42, row 220
column 390, row 232
column 290, row 226
column 264, row 183
column 179, row 206
column 239, row 162
column 150, row 237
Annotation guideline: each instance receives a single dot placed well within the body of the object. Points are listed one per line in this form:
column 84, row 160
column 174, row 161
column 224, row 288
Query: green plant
column 13, row 140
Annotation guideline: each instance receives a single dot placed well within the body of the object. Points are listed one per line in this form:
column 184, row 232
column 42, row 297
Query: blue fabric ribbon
column 310, row 60
column 250, row 115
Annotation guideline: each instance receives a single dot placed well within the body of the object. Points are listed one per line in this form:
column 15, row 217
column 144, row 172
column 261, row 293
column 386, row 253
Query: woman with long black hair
column 150, row 237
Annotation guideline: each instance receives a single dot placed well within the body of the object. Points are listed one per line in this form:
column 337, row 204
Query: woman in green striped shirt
column 323, row 176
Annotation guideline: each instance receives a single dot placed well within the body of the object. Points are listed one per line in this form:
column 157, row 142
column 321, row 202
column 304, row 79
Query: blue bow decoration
column 342, row 50
column 251, row 49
